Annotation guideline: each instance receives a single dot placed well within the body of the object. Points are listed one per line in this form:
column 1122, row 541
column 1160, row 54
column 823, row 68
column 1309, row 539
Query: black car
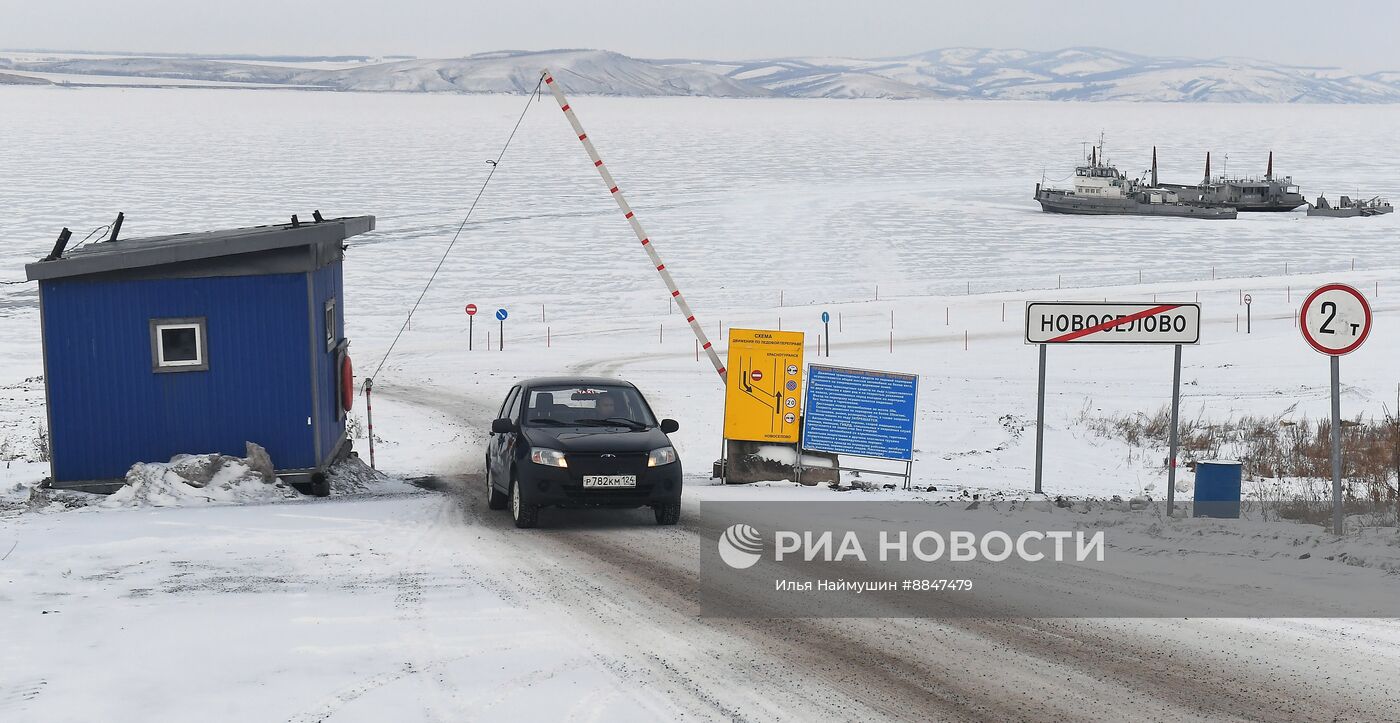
column 581, row 442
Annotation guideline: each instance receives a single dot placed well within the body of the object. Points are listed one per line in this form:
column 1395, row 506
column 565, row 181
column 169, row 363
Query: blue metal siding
column 108, row 408
column 326, row 284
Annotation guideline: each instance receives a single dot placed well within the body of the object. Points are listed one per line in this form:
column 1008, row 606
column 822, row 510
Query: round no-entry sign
column 471, row 309
column 756, row 375
column 1335, row 319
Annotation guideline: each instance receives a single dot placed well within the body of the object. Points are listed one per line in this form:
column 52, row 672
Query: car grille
column 581, row 464
column 590, row 463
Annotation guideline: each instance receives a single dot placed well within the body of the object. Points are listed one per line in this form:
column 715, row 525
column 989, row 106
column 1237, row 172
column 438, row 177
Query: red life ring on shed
column 347, row 383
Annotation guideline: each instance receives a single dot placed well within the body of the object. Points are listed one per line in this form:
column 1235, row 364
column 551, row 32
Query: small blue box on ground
column 1217, row 489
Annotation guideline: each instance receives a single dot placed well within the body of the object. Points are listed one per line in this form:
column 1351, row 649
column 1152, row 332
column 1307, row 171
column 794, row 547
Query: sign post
column 1040, row 423
column 1091, row 322
column 1248, row 301
column 1172, row 435
column 501, row 317
column 1335, row 320
column 826, row 324
column 471, row 325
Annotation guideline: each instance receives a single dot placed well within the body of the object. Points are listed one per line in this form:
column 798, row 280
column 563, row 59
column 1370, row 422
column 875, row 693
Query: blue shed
column 197, row 343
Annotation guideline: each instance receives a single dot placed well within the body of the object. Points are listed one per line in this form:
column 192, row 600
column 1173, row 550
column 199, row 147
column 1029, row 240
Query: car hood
column 596, row 439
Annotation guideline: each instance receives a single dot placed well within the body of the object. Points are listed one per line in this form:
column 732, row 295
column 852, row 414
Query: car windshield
column 587, row 406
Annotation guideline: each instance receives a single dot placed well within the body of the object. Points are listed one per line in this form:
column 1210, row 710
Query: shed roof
column 155, row 251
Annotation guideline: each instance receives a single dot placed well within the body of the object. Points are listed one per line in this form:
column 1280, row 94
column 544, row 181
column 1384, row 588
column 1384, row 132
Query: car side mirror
column 669, row 425
column 502, row 426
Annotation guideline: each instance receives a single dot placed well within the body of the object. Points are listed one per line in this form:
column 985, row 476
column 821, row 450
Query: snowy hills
column 1086, row 74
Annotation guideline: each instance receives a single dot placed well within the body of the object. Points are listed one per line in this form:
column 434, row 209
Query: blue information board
column 860, row 412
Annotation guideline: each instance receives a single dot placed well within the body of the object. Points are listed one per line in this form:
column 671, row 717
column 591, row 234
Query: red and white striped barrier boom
column 636, row 225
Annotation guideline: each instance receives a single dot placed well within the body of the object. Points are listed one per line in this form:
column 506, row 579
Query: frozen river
column 819, row 199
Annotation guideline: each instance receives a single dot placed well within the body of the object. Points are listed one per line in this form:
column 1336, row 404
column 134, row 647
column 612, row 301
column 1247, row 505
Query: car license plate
column 609, row 480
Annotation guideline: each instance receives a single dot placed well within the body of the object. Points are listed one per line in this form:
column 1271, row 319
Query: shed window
column 331, row 336
column 179, row 345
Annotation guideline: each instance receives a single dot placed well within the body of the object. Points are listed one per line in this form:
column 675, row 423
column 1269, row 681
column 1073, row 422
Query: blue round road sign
column 825, row 317
column 501, row 314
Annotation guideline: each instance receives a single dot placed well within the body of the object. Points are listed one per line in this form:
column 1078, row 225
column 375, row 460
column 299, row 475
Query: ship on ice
column 1100, row 189
column 1347, row 208
column 1246, row 194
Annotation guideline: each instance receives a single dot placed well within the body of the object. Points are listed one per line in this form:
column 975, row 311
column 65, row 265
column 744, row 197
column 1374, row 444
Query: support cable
column 494, row 165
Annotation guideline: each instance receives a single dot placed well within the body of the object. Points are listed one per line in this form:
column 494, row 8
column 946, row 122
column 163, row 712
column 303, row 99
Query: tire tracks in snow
column 967, row 668
column 646, row 601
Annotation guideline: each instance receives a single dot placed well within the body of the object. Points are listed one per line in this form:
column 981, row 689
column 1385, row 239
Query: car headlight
column 548, row 457
column 658, row 457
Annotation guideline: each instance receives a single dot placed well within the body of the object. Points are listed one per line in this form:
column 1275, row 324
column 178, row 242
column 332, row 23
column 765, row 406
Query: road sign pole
column 1336, row 446
column 1176, row 409
column 827, row 325
column 1341, row 324
column 501, row 340
column 471, row 327
column 1040, row 421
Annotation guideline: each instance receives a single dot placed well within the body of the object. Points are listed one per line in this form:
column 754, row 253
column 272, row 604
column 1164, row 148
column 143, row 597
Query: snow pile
column 352, row 476
column 15, row 492
column 202, row 479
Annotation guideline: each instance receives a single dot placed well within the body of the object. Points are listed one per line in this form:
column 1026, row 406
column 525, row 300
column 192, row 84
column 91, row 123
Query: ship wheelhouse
column 1100, row 180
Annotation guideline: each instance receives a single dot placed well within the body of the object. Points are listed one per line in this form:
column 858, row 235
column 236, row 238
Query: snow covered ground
column 422, row 605
column 768, row 212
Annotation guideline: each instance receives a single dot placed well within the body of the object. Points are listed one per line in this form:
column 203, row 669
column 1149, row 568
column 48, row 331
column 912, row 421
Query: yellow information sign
column 763, row 400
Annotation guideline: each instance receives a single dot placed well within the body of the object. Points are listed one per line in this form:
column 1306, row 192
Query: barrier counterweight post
column 369, row 419
column 636, row 225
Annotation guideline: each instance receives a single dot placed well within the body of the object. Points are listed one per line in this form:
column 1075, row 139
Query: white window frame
column 201, row 338
column 329, row 319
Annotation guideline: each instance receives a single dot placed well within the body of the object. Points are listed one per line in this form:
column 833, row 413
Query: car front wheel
column 667, row 514
column 525, row 514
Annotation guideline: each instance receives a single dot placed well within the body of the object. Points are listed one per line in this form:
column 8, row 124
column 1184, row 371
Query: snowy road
column 425, row 606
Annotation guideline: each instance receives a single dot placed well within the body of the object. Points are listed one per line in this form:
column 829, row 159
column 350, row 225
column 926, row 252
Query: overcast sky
column 1348, row 33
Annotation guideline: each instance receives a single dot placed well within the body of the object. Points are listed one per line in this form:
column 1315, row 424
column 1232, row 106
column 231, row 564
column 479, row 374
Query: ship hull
column 1348, row 212
column 1055, row 202
column 1241, row 202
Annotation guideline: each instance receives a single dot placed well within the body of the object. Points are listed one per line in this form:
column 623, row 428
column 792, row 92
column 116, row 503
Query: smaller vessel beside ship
column 1100, row 189
column 1347, row 208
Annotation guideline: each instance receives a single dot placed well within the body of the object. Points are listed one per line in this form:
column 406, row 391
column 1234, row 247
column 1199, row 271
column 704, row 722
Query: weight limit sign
column 1335, row 319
